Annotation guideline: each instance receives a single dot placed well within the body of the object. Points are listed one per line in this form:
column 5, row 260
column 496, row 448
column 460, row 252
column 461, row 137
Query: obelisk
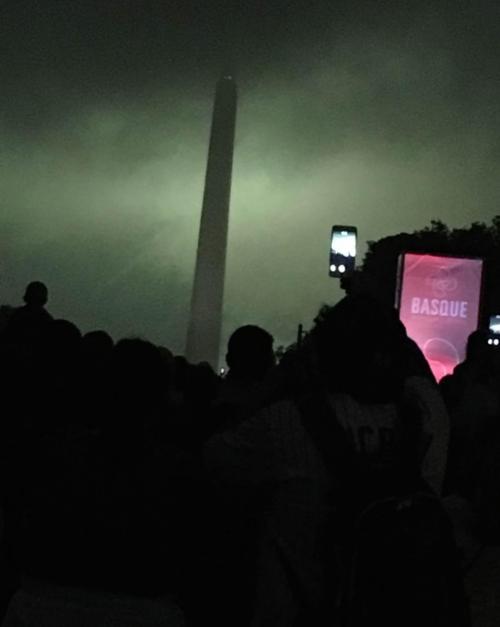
column 203, row 337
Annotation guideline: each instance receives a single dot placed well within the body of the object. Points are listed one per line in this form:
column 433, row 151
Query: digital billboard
column 439, row 301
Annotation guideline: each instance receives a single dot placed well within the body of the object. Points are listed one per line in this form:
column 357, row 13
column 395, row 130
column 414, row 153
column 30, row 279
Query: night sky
column 379, row 114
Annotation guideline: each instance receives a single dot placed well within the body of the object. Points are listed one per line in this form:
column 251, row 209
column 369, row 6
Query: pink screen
column 439, row 306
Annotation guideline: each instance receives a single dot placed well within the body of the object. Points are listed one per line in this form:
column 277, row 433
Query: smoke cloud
column 383, row 124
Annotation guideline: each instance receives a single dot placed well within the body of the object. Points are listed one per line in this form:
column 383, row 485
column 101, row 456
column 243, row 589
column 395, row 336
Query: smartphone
column 343, row 250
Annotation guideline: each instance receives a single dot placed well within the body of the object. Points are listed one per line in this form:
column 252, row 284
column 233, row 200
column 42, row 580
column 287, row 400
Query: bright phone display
column 342, row 250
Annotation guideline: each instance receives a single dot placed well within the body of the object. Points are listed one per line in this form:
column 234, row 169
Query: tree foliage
column 379, row 271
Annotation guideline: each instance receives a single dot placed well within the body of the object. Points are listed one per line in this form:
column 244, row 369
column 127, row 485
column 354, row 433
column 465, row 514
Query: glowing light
column 438, row 321
column 496, row 341
column 333, row 268
column 344, row 243
column 490, row 341
column 341, row 268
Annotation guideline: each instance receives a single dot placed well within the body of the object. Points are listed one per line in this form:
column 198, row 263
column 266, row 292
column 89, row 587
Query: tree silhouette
column 378, row 273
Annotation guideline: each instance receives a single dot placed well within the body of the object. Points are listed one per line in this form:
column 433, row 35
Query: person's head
column 96, row 349
column 36, row 294
column 140, row 376
column 477, row 345
column 97, row 342
column 360, row 348
column 250, row 353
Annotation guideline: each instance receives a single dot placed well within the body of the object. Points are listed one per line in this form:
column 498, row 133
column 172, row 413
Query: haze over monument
column 382, row 115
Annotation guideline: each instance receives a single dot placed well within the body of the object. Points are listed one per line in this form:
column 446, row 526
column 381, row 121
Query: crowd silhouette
column 140, row 489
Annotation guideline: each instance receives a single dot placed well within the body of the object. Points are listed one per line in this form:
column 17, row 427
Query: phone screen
column 495, row 324
column 344, row 242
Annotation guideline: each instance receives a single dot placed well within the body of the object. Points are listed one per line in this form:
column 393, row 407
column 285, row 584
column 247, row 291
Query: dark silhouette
column 378, row 274
column 6, row 312
column 139, row 484
column 244, row 389
column 248, row 382
column 367, row 387
column 473, row 400
column 249, row 354
column 383, row 434
column 28, row 322
column 97, row 343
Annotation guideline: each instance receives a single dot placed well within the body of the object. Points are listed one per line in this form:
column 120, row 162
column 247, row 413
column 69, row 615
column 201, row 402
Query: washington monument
column 203, row 338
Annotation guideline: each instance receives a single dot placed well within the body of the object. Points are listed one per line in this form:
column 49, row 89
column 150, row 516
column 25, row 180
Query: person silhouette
column 250, row 354
column 28, row 322
column 248, row 383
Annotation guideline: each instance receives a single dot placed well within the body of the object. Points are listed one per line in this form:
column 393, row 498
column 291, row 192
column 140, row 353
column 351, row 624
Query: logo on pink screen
column 439, row 306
